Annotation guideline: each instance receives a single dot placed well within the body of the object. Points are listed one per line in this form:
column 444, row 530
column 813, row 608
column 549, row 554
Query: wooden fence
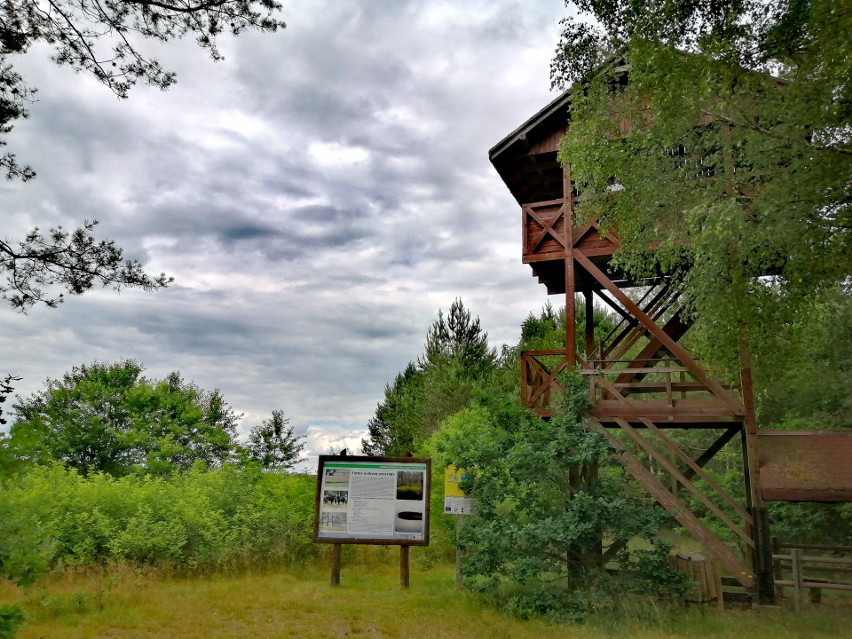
column 811, row 566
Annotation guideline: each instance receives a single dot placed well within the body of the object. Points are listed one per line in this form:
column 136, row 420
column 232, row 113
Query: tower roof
column 526, row 158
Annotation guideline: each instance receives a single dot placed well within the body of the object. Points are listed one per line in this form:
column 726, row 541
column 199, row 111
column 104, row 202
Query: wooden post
column 570, row 329
column 815, row 595
column 762, row 557
column 590, row 321
column 568, row 213
column 335, row 564
column 777, row 570
column 717, row 584
column 797, row 577
column 673, row 461
column 403, row 566
column 459, row 553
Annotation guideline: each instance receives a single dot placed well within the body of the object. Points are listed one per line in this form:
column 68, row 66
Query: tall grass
column 133, row 602
column 228, row 553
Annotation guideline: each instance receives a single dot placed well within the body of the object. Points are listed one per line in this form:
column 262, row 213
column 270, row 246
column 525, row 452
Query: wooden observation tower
column 641, row 380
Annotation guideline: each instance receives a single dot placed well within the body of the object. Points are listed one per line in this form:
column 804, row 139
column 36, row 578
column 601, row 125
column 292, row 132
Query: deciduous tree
column 549, row 497
column 718, row 135
column 109, row 418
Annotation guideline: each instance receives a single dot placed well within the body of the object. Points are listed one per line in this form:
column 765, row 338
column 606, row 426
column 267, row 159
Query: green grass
column 126, row 603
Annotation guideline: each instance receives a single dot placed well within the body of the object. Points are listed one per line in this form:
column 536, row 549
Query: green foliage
column 739, row 177
column 389, row 430
column 6, row 389
column 547, row 330
column 11, row 618
column 51, row 516
column 458, row 338
column 274, row 444
column 457, row 364
column 805, row 523
column 109, row 418
column 548, row 493
column 806, row 381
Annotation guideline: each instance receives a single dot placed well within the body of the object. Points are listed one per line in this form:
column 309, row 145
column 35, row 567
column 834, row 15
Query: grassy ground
column 127, row 604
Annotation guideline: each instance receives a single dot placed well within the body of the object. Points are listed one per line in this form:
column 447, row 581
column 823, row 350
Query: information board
column 372, row 500
column 456, row 501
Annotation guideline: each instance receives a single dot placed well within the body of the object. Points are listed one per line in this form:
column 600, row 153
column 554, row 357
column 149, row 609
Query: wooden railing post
column 777, row 569
column 797, row 577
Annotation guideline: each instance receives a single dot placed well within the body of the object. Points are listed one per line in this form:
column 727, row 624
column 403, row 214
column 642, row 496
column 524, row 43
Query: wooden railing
column 666, row 378
column 803, row 561
column 664, row 381
column 539, row 377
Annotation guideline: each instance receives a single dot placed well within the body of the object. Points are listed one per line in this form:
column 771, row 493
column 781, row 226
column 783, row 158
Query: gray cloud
column 318, row 195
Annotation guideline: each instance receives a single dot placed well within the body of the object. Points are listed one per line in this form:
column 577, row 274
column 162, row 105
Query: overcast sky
column 317, row 196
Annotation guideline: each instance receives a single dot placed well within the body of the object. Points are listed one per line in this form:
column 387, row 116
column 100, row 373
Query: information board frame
column 332, row 518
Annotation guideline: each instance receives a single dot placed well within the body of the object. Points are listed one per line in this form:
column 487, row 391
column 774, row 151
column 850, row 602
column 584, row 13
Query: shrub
column 11, row 618
column 223, row 518
column 549, row 492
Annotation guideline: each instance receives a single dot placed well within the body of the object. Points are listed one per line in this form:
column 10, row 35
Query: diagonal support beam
column 735, row 566
column 689, row 473
column 662, row 299
column 606, row 300
column 711, row 451
column 674, row 472
column 675, row 328
column 674, row 348
column 547, row 228
column 694, row 469
column 549, row 379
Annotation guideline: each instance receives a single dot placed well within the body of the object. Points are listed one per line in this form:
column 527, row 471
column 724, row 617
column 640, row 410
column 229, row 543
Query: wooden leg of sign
column 403, row 566
column 335, row 565
column 459, row 552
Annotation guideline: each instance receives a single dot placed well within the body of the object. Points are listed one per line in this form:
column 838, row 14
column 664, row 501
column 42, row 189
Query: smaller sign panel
column 456, row 500
column 372, row 500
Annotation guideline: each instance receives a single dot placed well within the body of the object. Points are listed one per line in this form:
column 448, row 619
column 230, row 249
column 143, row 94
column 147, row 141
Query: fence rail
column 801, row 567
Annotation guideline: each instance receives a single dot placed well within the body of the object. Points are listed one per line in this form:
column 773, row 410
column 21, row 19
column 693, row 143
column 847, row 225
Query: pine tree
column 274, row 444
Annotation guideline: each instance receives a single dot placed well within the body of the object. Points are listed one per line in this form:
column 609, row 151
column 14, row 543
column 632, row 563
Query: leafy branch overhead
column 101, row 37
column 104, row 39
column 73, row 260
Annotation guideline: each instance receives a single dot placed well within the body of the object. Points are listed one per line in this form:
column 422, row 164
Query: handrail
column 664, row 379
column 643, row 370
